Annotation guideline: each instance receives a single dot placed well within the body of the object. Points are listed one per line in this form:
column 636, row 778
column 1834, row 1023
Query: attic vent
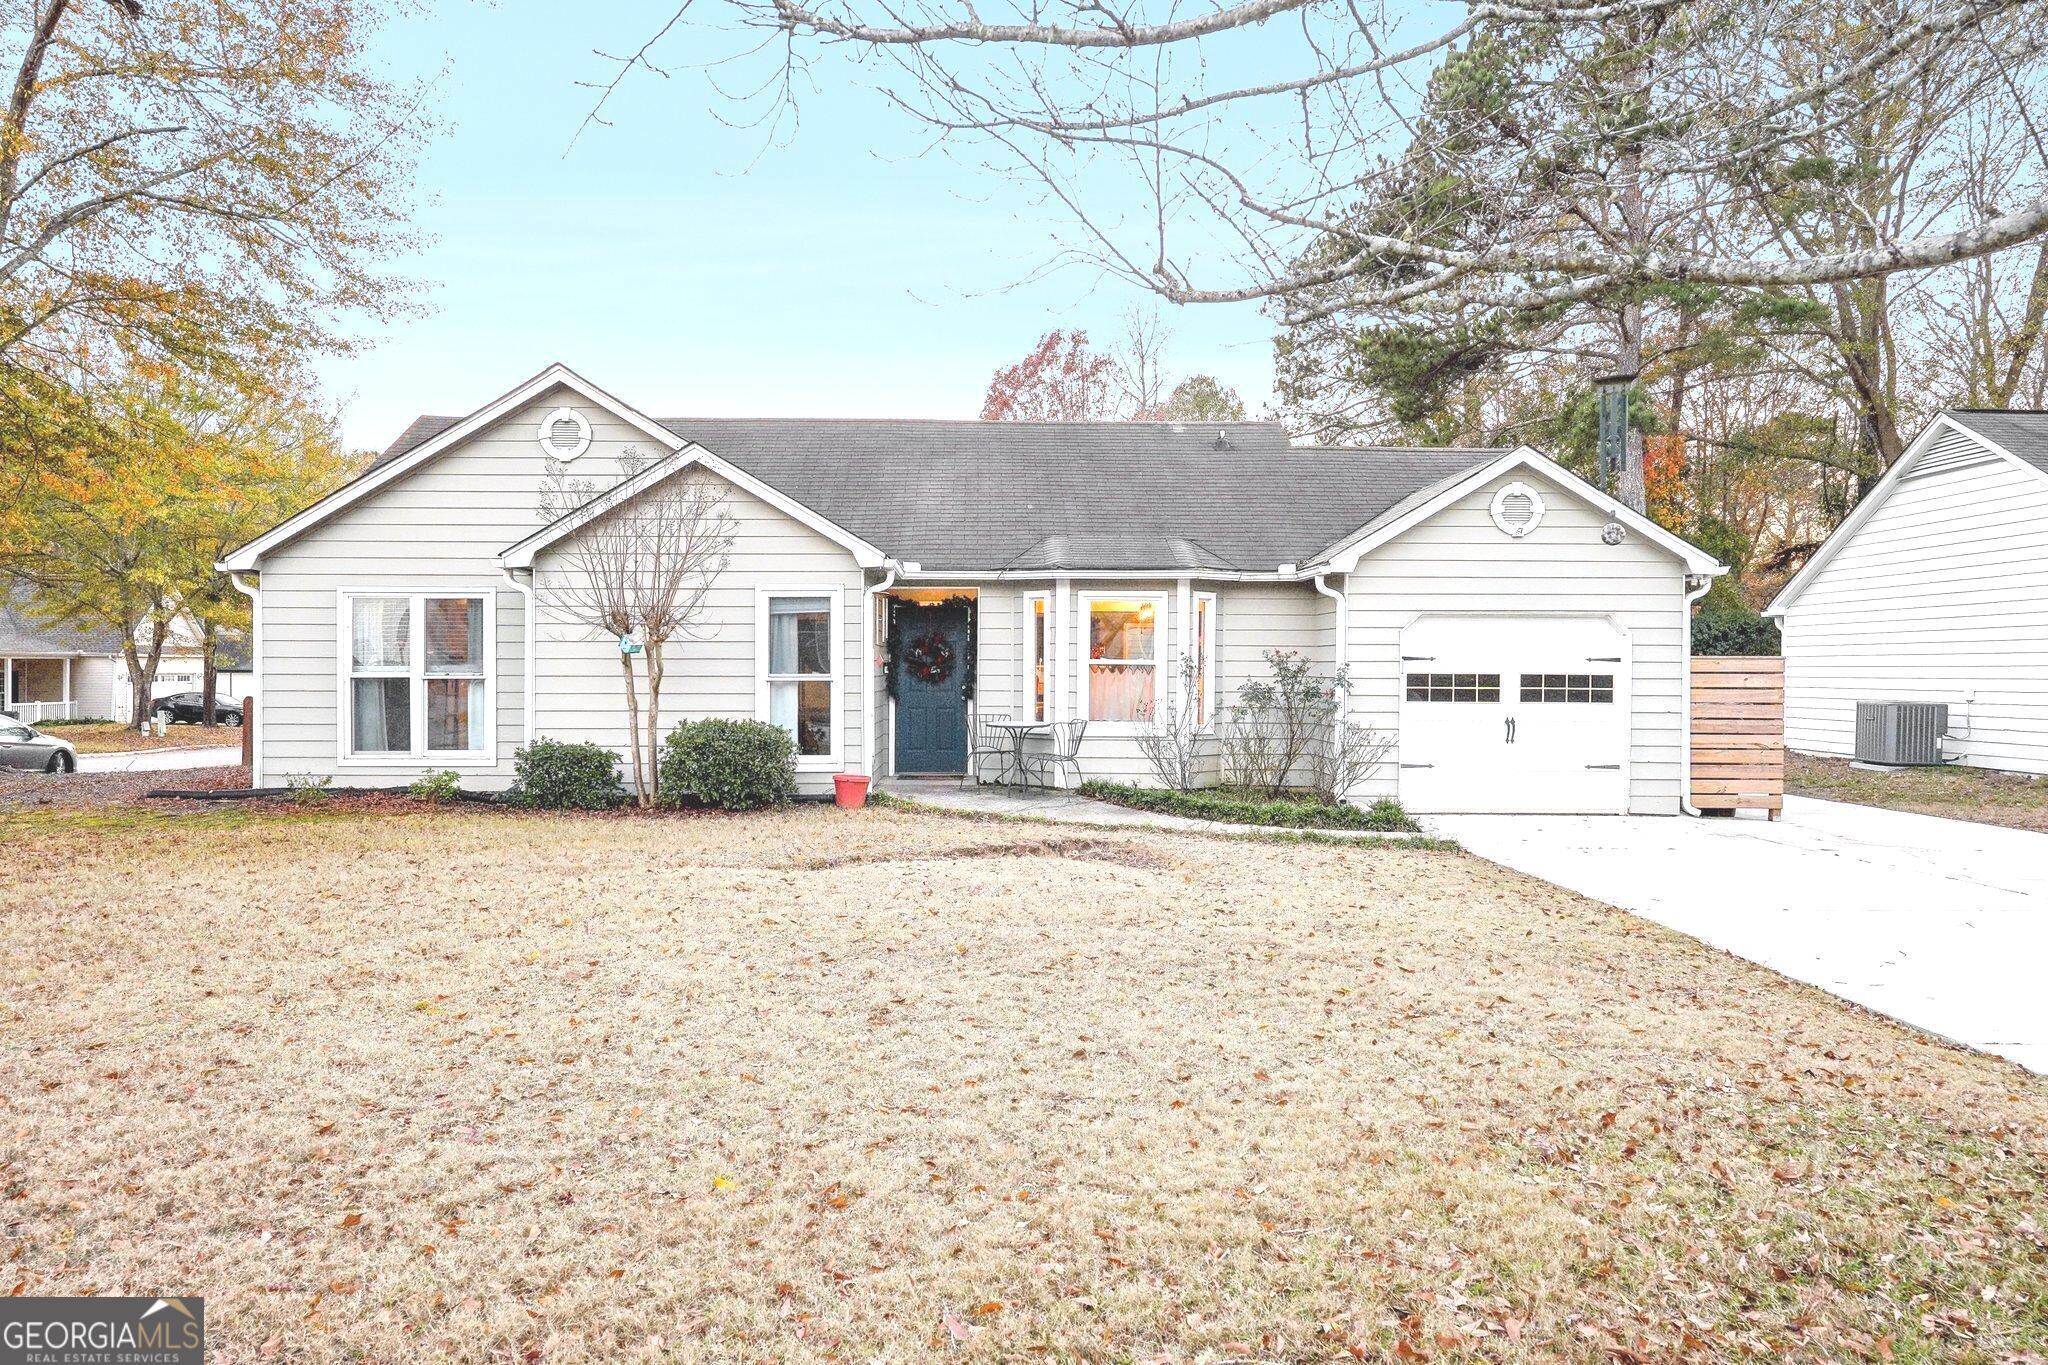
column 1951, row 453
column 565, row 433
column 1517, row 509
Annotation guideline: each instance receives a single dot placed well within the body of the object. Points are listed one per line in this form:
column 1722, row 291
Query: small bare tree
column 639, row 570
column 1171, row 737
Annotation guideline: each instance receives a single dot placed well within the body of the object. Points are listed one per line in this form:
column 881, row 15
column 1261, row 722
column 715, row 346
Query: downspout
column 255, row 662
column 1338, row 655
column 869, row 601
column 531, row 629
column 1685, row 712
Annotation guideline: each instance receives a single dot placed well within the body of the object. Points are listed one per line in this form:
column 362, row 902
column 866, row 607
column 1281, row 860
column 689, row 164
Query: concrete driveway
column 1940, row 923
column 161, row 760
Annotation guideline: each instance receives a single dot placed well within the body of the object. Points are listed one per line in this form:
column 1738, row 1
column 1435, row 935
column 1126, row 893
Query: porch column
column 1061, row 705
column 67, row 684
column 6, row 684
column 1184, row 625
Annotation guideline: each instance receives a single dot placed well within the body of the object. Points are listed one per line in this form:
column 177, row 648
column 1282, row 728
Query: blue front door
column 931, row 697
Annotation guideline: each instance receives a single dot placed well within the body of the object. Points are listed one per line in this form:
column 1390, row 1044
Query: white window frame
column 1205, row 601
column 416, row 671
column 835, row 760
column 1037, row 611
column 1084, row 630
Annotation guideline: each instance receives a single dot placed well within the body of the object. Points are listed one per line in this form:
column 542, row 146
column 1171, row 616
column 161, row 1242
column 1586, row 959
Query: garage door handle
column 1511, row 729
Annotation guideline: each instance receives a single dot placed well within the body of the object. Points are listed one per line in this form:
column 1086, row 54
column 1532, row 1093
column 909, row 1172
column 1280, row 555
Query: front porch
column 37, row 689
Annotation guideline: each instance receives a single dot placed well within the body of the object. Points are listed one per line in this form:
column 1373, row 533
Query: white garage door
column 1522, row 714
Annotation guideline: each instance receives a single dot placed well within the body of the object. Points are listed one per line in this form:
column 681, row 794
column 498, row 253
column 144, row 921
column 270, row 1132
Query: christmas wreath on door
column 930, row 658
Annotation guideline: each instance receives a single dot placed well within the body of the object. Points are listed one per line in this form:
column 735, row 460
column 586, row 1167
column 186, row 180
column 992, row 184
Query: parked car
column 189, row 708
column 24, row 746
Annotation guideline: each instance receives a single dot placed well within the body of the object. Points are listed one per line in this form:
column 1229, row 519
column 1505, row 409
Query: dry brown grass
column 107, row 737
column 469, row 1085
column 2012, row 799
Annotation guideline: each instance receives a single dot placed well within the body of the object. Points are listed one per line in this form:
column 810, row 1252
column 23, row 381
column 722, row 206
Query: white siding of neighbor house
column 712, row 672
column 1458, row 561
column 441, row 528
column 1941, row 596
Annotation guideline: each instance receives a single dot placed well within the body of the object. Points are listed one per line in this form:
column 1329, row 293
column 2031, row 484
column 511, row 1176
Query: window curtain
column 383, row 632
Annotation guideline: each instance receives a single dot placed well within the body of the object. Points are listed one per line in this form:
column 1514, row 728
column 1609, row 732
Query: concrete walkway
column 1942, row 924
column 948, row 794
column 161, row 760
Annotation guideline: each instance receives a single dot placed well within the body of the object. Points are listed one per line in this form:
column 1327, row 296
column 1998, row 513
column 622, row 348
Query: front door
column 1521, row 715
column 931, row 697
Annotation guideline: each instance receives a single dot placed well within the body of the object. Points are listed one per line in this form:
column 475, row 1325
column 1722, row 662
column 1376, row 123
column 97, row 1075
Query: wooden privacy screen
column 1738, row 734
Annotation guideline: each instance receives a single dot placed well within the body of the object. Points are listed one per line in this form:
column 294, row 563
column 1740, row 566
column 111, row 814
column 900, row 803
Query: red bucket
column 850, row 790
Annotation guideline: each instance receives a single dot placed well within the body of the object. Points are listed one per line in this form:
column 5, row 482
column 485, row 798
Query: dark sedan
column 189, row 708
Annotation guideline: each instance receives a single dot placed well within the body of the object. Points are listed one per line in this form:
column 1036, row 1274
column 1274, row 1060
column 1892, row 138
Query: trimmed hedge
column 554, row 775
column 731, row 764
column 1734, row 632
column 1235, row 809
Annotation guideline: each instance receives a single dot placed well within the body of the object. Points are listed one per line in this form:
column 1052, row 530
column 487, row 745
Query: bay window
column 417, row 676
column 1122, row 681
column 797, row 664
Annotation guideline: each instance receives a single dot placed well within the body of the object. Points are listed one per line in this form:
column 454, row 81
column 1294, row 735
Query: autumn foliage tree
column 208, row 182
column 140, row 486
column 1061, row 380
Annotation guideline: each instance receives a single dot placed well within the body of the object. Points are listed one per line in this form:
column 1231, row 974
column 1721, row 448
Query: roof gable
column 2001, row 435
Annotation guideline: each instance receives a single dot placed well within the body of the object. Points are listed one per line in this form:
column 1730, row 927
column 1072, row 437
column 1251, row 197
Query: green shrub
column 1734, row 632
column 437, row 786
column 308, row 791
column 555, row 775
column 1239, row 808
column 731, row 764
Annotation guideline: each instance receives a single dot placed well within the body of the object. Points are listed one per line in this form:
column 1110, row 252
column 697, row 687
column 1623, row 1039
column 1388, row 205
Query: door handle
column 1511, row 730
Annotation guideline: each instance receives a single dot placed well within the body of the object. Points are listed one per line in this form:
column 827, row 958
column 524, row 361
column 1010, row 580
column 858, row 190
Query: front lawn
column 108, row 737
column 476, row 1085
column 2010, row 799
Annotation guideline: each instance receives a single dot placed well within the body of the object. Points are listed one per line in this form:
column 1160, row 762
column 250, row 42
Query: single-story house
column 63, row 672
column 1524, row 635
column 1935, row 589
column 56, row 672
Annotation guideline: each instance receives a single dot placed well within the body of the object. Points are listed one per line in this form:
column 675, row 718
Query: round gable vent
column 565, row 433
column 1517, row 509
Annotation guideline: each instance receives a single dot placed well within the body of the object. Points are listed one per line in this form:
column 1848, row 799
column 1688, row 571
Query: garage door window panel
column 1568, row 688
column 1454, row 687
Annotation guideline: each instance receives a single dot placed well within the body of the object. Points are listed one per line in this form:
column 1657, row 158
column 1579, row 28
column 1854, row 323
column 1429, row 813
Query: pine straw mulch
column 470, row 1085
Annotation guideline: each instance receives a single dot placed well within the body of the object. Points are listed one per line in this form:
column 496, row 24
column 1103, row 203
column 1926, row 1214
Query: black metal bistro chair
column 986, row 742
column 1062, row 754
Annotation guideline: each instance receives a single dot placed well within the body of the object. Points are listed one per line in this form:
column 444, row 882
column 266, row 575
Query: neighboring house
column 1934, row 589
column 56, row 672
column 1524, row 635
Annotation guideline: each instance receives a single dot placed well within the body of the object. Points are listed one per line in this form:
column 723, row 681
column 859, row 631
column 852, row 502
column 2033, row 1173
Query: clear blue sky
column 692, row 268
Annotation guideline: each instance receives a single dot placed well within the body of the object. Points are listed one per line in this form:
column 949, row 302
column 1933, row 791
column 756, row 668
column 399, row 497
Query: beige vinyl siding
column 1941, row 596
column 1458, row 561
column 713, row 671
column 99, row 684
column 440, row 529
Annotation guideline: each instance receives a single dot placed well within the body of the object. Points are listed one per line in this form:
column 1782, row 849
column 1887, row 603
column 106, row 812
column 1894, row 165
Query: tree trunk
column 633, row 726
column 1628, row 360
column 209, row 676
column 654, row 676
column 142, row 674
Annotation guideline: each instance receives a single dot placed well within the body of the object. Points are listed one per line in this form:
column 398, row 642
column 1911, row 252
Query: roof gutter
column 256, row 666
column 1338, row 658
column 531, row 630
column 1692, row 595
column 869, row 600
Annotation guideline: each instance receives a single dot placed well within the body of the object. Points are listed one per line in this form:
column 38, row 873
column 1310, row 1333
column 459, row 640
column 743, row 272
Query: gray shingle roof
column 983, row 496
column 23, row 632
column 2024, row 433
